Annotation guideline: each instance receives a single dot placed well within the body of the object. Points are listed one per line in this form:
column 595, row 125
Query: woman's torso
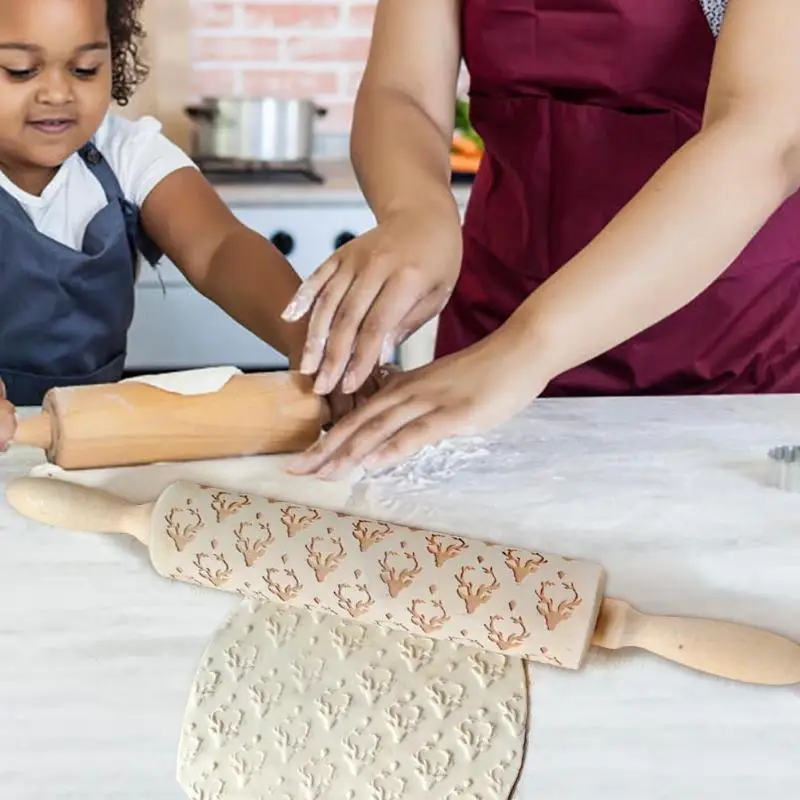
column 579, row 103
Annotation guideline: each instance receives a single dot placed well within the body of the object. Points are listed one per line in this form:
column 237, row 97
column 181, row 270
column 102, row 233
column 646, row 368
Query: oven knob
column 283, row 241
column 343, row 238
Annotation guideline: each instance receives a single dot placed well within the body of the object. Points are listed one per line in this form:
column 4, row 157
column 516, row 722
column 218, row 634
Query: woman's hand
column 373, row 293
column 341, row 404
column 459, row 395
column 8, row 420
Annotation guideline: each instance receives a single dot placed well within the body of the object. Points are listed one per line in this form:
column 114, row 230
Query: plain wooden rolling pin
column 120, row 424
column 520, row 602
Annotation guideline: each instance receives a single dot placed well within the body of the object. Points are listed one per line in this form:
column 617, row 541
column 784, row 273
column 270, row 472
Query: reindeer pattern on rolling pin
column 509, row 600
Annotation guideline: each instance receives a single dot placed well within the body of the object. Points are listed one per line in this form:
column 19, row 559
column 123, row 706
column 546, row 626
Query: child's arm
column 236, row 268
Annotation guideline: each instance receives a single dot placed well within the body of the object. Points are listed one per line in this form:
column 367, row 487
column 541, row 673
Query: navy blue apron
column 65, row 313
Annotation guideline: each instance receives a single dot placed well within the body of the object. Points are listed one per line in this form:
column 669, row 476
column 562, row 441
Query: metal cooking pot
column 254, row 129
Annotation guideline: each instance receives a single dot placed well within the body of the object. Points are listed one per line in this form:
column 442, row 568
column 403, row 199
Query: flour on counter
column 435, row 464
column 410, row 489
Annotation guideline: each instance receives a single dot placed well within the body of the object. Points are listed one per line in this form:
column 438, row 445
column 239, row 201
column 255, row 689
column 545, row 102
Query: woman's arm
column 672, row 240
column 697, row 214
column 405, row 108
column 382, row 286
column 233, row 266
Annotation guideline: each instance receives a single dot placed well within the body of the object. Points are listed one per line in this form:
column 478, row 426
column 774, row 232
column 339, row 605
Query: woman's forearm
column 405, row 109
column 679, row 234
column 400, row 155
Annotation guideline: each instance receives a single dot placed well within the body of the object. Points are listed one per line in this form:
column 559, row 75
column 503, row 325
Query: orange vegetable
column 464, row 163
column 465, row 146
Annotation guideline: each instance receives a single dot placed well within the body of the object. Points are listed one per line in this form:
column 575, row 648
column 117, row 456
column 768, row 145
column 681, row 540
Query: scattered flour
column 414, row 488
column 435, row 464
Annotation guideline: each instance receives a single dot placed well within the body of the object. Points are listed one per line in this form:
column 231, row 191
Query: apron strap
column 101, row 169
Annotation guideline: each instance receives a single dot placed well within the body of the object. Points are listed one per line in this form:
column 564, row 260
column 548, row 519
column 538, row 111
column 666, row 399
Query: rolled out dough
column 259, row 475
column 190, row 381
column 293, row 705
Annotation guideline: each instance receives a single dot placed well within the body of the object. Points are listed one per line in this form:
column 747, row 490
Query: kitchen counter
column 668, row 494
column 340, row 187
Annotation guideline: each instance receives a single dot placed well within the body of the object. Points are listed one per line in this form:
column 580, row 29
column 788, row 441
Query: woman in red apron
column 634, row 227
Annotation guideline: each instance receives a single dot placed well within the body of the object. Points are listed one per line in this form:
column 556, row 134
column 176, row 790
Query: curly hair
column 128, row 69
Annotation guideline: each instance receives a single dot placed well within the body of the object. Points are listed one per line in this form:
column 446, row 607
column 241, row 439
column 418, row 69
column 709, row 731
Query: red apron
column 579, row 102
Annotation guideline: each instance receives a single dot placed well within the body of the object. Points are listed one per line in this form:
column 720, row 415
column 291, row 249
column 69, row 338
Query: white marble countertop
column 98, row 651
column 339, row 188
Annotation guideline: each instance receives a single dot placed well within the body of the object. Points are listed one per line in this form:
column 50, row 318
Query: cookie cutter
column 784, row 467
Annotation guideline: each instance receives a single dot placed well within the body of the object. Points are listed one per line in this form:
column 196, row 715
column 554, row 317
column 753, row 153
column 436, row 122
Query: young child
column 83, row 192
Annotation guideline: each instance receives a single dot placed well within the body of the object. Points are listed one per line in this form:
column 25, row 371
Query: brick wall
column 304, row 48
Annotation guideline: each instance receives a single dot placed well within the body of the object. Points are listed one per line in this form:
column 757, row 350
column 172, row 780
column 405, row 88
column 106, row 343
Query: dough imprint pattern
column 291, row 705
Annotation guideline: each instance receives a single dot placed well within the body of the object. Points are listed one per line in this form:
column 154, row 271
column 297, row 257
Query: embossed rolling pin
column 120, row 424
column 540, row 607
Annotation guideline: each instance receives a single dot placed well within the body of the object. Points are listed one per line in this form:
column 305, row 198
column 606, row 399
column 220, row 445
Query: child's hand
column 8, row 420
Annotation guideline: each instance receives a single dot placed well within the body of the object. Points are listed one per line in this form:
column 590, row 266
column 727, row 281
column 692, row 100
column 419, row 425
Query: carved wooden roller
column 113, row 425
column 538, row 606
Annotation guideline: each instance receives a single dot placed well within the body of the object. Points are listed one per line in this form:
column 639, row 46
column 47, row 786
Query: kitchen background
column 299, row 49
column 305, row 49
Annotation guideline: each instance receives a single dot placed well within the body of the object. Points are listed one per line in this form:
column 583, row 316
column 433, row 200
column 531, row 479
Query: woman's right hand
column 373, row 293
column 8, row 420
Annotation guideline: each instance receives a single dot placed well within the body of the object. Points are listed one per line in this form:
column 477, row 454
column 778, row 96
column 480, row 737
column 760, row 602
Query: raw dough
column 290, row 705
column 259, row 475
column 191, row 381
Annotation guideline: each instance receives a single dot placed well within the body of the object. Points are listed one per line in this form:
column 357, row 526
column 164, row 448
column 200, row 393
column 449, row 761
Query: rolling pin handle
column 78, row 508
column 35, row 431
column 724, row 649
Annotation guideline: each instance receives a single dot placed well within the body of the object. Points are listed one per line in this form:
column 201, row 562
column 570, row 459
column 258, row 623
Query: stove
column 227, row 170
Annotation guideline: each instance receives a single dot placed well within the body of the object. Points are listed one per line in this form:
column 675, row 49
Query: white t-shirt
column 138, row 154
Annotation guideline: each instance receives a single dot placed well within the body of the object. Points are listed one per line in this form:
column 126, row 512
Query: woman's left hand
column 459, row 395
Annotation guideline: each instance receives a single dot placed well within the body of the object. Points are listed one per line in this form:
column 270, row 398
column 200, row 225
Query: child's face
column 55, row 79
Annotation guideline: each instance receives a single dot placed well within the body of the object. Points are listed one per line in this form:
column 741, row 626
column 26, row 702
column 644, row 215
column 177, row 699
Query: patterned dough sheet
column 508, row 600
column 290, row 705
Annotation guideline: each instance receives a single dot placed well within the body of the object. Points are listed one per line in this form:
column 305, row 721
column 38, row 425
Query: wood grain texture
column 130, row 423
